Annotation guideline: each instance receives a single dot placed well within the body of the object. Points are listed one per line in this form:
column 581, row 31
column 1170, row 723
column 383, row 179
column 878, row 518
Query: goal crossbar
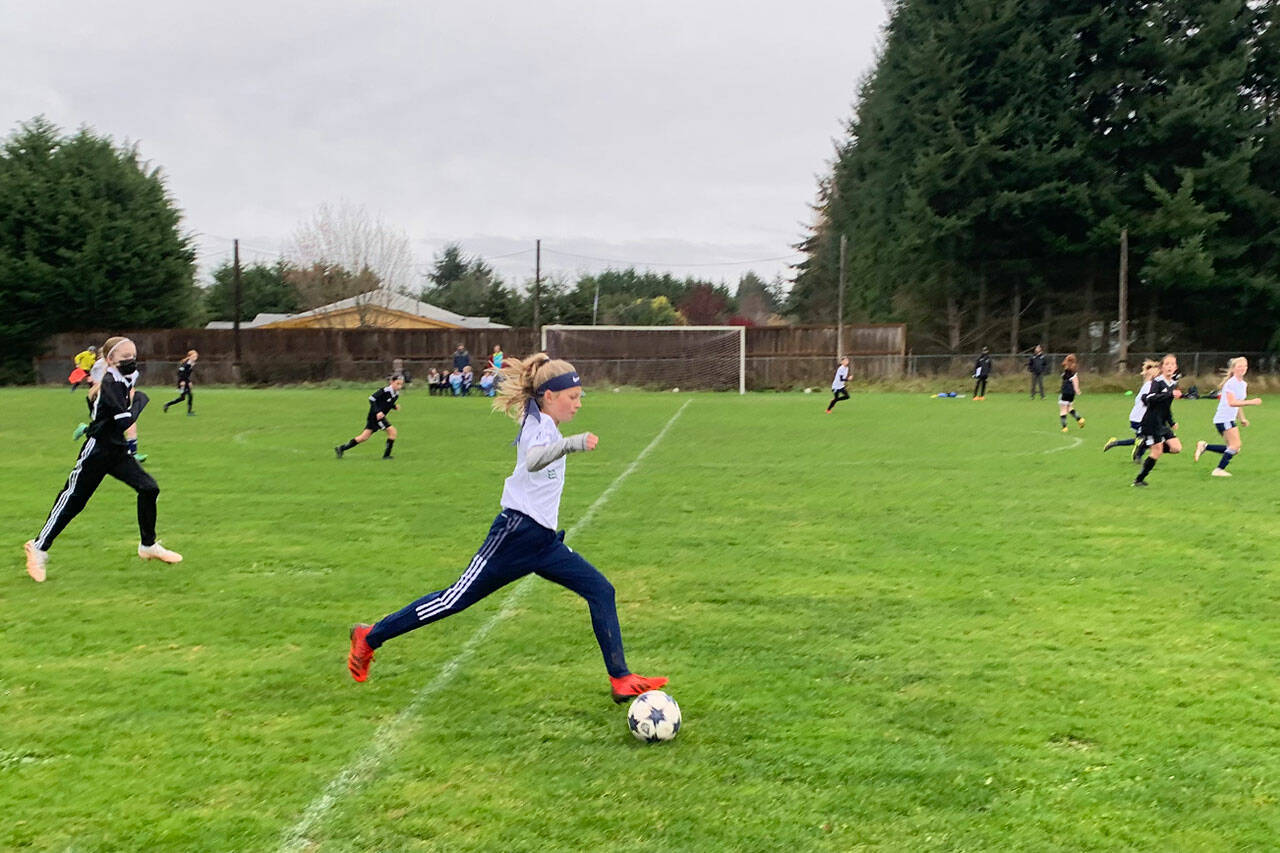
column 728, row 359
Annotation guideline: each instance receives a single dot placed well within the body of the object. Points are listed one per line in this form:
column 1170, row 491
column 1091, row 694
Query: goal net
column 659, row 357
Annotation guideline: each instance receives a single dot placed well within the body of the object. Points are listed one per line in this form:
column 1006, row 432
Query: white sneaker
column 1218, row 472
column 36, row 561
column 1200, row 446
column 158, row 552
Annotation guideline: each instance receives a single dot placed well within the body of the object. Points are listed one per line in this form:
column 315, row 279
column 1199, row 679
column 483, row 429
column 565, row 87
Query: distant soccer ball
column 675, row 390
column 654, row 716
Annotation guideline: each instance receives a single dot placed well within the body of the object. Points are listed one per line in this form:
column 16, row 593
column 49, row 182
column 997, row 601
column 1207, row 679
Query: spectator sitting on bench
column 433, row 381
column 486, row 382
column 468, row 378
column 455, row 381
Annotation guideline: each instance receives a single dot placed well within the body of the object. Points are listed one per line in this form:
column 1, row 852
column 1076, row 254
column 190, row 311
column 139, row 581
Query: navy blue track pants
column 516, row 546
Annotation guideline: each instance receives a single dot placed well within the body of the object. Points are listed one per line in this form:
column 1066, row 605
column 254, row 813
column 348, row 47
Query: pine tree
column 89, row 239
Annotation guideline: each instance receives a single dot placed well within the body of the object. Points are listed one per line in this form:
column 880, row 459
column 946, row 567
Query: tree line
column 468, row 285
column 91, row 238
column 1000, row 148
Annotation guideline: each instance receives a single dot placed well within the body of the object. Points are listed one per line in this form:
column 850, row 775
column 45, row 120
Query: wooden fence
column 777, row 356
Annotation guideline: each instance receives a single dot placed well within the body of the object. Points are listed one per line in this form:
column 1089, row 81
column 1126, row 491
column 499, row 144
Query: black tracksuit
column 1157, row 423
column 184, row 387
column 105, row 452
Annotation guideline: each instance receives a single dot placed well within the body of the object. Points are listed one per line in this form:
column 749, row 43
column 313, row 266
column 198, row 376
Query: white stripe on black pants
column 97, row 461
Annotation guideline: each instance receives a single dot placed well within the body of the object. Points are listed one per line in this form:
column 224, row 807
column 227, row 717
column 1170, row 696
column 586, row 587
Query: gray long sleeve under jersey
column 540, row 457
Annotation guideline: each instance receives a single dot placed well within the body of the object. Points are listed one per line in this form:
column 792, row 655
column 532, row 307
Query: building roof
column 381, row 300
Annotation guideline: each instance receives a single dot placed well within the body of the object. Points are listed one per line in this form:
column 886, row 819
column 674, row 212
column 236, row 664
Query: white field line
column 390, row 735
column 1075, row 442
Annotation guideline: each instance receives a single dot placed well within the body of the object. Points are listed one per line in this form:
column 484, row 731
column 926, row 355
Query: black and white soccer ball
column 654, row 716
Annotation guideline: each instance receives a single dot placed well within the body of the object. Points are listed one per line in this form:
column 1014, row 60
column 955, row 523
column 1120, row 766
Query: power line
column 668, row 264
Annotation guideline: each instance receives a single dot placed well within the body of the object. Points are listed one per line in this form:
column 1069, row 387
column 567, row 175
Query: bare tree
column 343, row 251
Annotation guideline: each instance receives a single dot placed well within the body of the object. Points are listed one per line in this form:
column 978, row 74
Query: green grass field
column 914, row 624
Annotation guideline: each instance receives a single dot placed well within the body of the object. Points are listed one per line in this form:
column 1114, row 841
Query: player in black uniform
column 1067, row 394
column 185, row 367
column 981, row 371
column 116, row 407
column 381, row 402
column 1157, row 424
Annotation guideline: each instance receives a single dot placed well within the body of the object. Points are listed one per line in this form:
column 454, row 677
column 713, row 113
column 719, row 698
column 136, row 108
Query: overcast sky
column 678, row 136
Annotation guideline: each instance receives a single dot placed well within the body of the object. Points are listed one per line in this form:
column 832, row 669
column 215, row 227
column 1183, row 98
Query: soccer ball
column 654, row 716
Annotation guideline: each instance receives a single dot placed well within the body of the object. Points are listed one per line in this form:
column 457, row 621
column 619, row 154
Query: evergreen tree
column 264, row 289
column 89, row 239
column 1000, row 146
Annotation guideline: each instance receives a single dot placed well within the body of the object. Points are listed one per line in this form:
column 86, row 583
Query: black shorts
column 374, row 424
column 1158, row 436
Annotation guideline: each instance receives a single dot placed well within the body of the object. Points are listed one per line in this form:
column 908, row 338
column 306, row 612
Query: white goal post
column 666, row 357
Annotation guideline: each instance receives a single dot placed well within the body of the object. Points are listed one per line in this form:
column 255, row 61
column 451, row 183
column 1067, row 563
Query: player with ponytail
column 116, row 407
column 1227, row 418
column 540, row 393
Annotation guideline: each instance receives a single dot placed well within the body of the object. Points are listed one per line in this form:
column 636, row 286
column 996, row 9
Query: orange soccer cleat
column 361, row 655
column 630, row 686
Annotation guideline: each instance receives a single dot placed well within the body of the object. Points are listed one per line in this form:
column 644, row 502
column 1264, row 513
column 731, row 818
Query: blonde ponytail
column 1231, row 366
column 519, row 378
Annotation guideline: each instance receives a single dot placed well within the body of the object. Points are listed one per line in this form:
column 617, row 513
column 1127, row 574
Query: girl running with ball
column 541, row 394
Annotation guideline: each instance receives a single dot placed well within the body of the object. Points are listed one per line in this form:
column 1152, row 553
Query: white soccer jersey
column 1139, row 408
column 842, row 376
column 1227, row 413
column 536, row 493
column 98, row 370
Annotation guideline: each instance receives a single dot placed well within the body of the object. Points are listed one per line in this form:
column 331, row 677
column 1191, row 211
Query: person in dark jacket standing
column 1037, row 366
column 461, row 358
column 116, row 406
column 981, row 370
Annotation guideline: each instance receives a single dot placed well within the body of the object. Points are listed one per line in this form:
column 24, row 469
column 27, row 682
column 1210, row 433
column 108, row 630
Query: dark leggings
column 96, row 462
column 187, row 394
column 980, row 387
column 837, row 395
column 516, row 546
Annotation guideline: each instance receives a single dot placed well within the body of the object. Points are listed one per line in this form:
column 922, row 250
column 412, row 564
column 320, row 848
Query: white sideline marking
column 389, row 736
column 1075, row 442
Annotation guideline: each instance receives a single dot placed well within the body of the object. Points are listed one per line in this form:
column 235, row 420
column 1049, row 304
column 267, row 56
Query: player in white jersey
column 541, row 394
column 1150, row 368
column 838, row 391
column 1228, row 418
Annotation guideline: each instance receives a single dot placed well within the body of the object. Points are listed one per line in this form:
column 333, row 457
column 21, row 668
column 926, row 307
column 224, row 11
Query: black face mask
column 127, row 367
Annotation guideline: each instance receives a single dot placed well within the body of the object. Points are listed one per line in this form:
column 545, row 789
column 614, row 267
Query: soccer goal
column 665, row 357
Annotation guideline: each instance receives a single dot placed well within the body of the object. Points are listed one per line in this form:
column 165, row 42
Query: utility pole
column 1124, row 299
column 840, row 304
column 235, row 326
column 537, row 284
